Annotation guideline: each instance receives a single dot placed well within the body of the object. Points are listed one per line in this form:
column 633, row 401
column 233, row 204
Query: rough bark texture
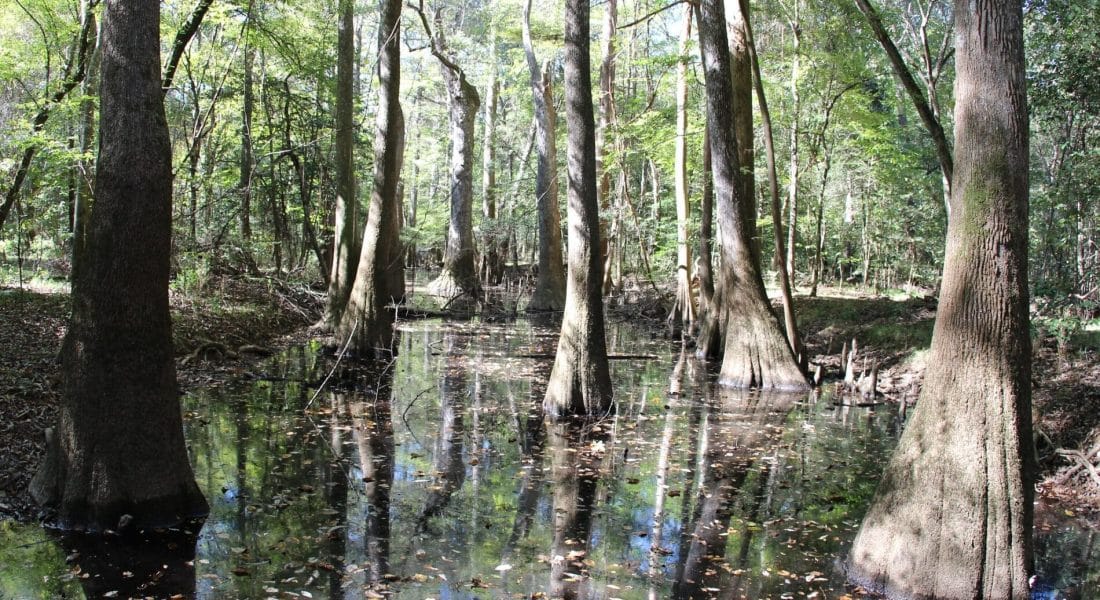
column 550, row 284
column 119, row 447
column 756, row 353
column 580, row 383
column 380, row 277
column 459, row 275
column 952, row 515
column 346, row 241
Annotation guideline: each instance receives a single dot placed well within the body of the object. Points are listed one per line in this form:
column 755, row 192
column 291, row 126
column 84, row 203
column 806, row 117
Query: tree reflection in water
column 437, row 477
column 143, row 564
column 577, row 453
column 372, row 431
column 740, row 434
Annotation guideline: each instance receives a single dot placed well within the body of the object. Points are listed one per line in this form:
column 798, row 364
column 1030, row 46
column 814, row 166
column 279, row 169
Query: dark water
column 439, row 479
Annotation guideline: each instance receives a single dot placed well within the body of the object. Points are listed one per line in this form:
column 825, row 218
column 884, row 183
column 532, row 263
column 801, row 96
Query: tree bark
column 549, row 294
column 119, row 447
column 952, row 516
column 459, row 275
column 607, row 121
column 347, row 244
column 756, row 353
column 683, row 313
column 789, row 322
column 380, row 276
column 580, row 383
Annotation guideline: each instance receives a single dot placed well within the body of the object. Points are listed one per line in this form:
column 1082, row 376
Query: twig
column 339, row 357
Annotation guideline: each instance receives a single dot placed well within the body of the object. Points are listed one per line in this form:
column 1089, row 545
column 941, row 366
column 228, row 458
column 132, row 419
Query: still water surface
column 440, row 479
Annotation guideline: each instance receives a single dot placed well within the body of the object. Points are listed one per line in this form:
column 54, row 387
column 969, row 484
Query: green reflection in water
column 438, row 478
column 32, row 565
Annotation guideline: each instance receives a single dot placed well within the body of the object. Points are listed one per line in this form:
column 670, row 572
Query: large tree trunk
column 459, row 275
column 580, row 383
column 119, row 447
column 756, row 353
column 952, row 515
column 346, row 241
column 550, row 284
column 380, row 277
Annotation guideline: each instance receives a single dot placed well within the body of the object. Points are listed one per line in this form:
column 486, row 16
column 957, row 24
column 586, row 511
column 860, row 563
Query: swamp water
column 441, row 480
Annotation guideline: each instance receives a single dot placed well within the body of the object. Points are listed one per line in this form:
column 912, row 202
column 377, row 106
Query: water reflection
column 577, row 455
column 436, row 476
column 146, row 564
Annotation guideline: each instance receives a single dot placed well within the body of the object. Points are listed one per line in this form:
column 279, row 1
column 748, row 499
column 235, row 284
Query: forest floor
column 226, row 326
column 218, row 331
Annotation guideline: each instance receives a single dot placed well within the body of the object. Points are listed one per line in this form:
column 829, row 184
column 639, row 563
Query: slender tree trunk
column 380, row 276
column 819, row 237
column 347, row 244
column 683, row 313
column 580, row 383
column 793, row 172
column 749, row 43
column 492, row 261
column 607, row 121
column 549, row 291
column 756, row 353
column 705, row 270
column 952, row 516
column 183, row 38
column 244, row 183
column 926, row 112
column 119, row 448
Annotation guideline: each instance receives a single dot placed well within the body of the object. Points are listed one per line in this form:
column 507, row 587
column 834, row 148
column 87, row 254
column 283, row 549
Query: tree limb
column 183, row 37
column 75, row 71
column 931, row 124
